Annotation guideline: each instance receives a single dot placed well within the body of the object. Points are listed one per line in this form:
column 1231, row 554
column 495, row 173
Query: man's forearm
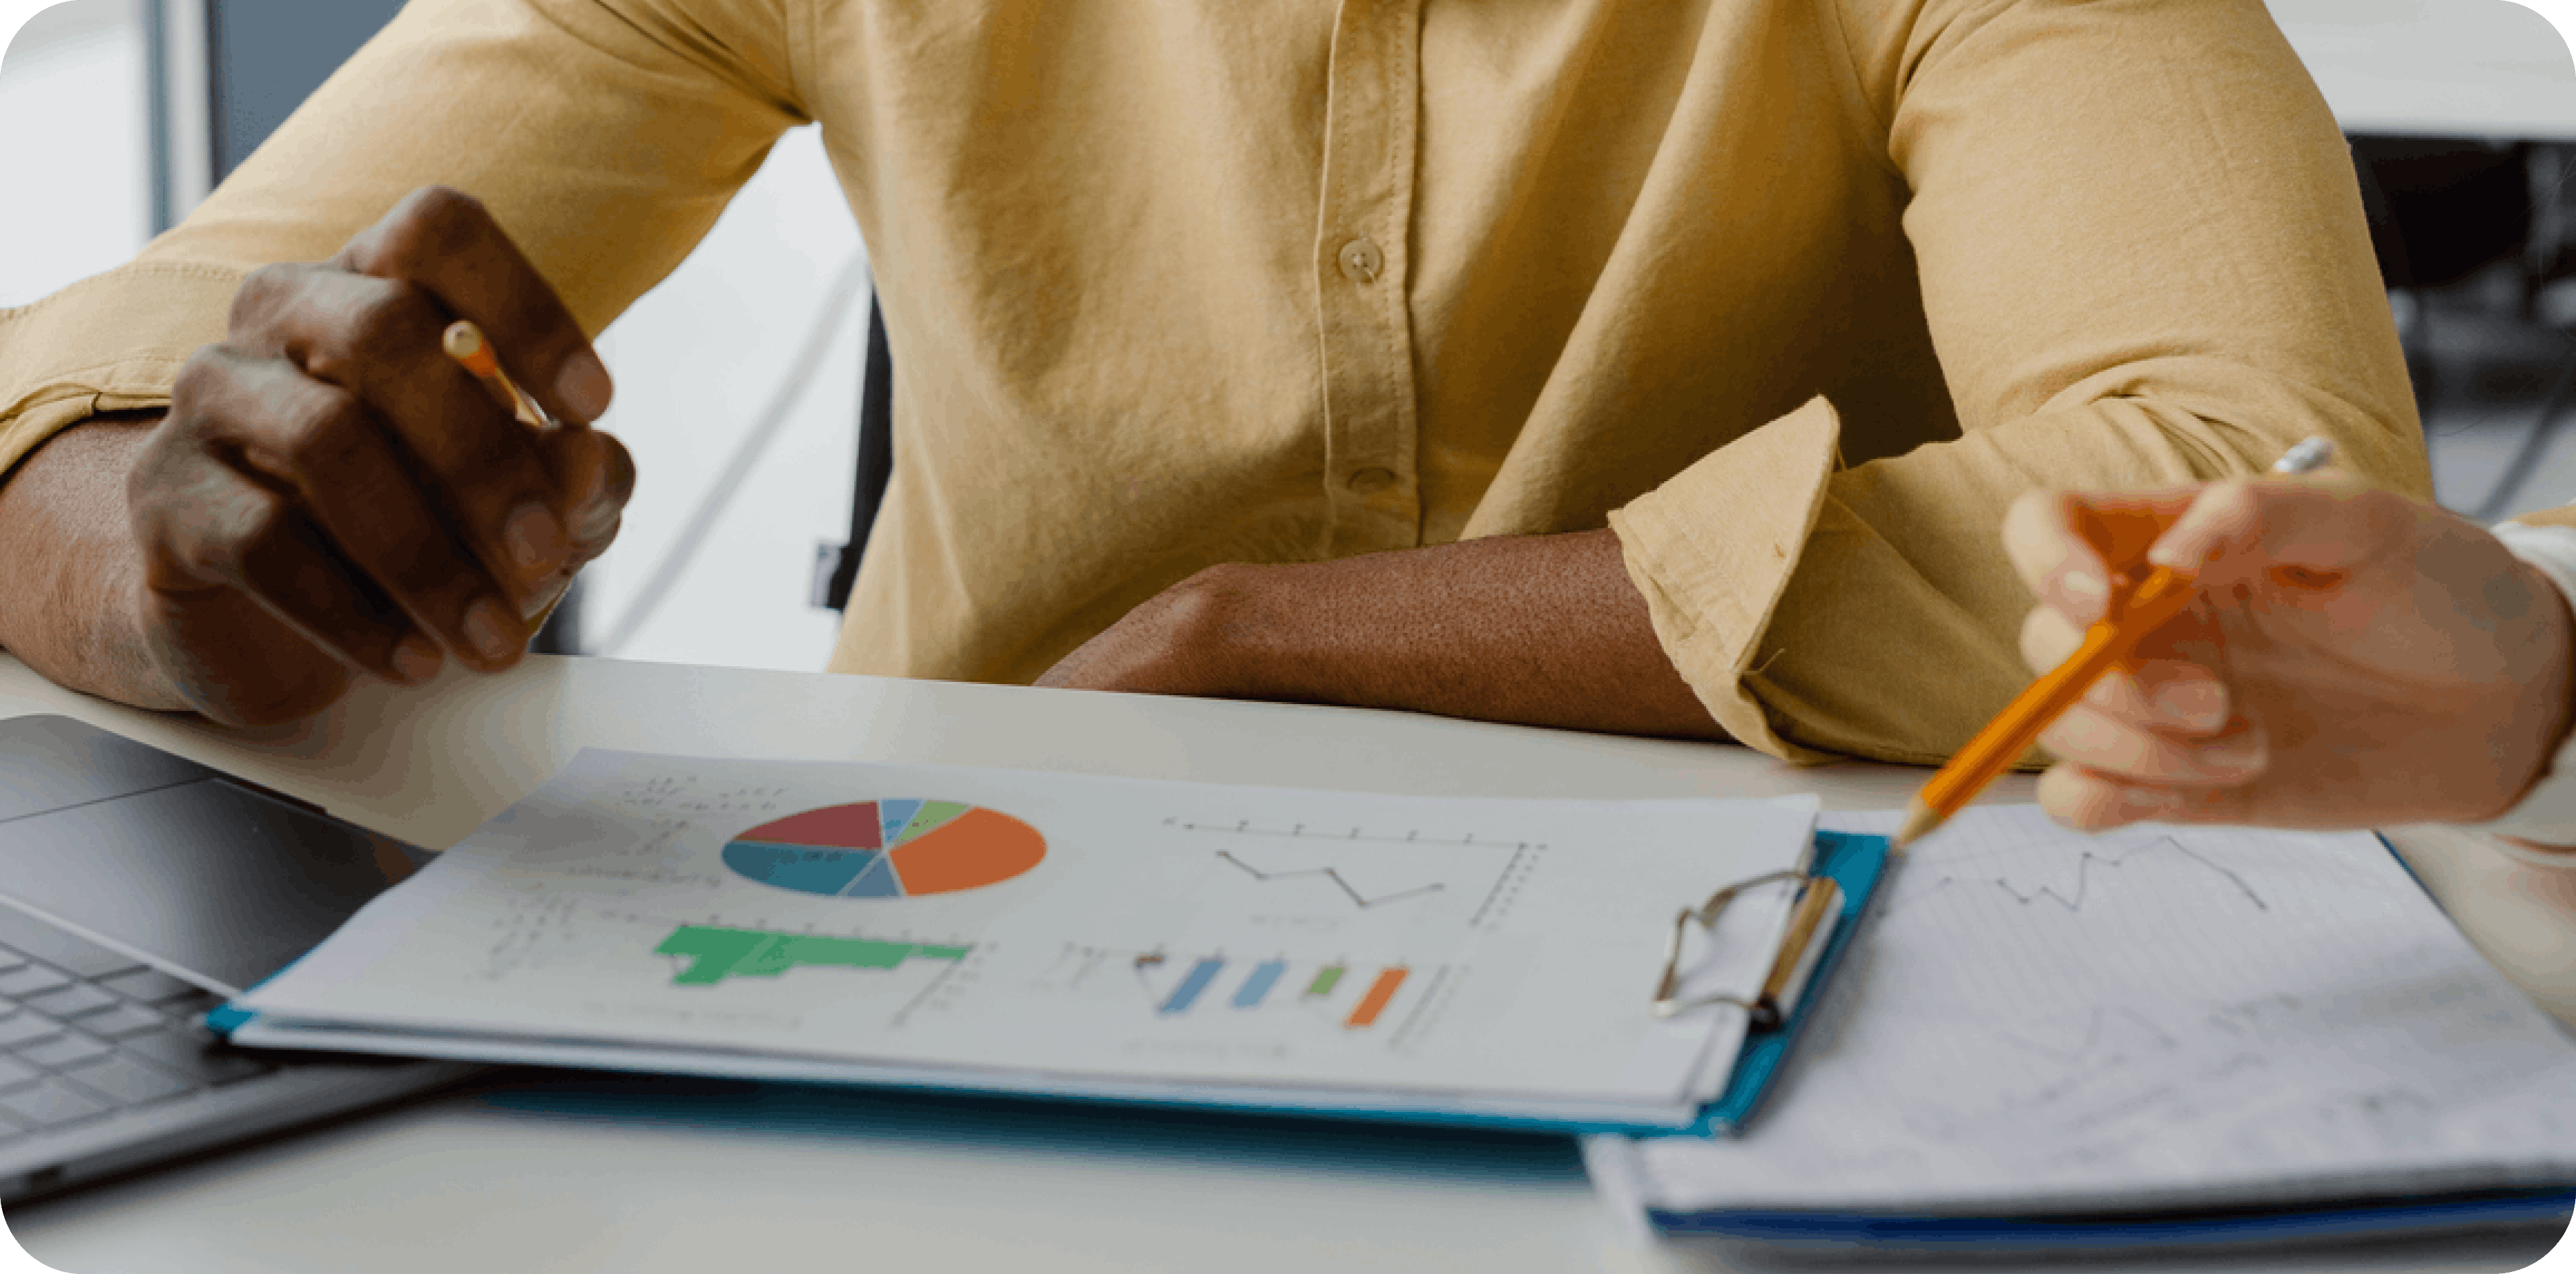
column 68, row 564
column 1539, row 630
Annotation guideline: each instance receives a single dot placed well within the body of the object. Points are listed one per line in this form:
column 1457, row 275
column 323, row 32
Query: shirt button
column 1372, row 481
column 1361, row 260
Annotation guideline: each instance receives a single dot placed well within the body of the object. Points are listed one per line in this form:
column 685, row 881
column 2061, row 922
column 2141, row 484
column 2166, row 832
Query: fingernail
column 2144, row 800
column 583, row 386
column 547, row 590
column 535, row 538
column 415, row 660
column 487, row 631
column 2194, row 703
column 598, row 520
column 2083, row 588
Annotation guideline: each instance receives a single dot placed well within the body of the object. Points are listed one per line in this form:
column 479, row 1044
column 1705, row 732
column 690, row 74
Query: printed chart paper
column 1029, row 928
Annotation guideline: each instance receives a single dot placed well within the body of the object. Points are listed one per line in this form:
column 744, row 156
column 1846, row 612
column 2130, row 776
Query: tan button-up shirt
column 1795, row 294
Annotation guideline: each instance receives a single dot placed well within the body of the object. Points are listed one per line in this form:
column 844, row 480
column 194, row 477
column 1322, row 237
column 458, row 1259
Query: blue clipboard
column 1855, row 863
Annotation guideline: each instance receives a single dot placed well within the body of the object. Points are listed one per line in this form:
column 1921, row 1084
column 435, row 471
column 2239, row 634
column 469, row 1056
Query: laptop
column 137, row 890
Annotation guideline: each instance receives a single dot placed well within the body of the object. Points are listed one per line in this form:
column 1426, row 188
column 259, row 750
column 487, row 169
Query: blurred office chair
column 836, row 566
column 2443, row 211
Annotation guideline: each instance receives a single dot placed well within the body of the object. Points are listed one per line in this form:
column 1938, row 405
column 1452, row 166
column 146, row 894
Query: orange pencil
column 465, row 343
column 2132, row 614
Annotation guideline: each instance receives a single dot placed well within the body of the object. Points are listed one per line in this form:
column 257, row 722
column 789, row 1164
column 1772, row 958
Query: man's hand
column 1540, row 630
column 2356, row 659
column 331, row 495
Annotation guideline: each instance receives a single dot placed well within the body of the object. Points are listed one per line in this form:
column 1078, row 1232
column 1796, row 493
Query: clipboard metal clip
column 1819, row 900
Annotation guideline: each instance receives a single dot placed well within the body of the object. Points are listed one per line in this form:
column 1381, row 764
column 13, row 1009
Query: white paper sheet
column 1496, row 953
column 2038, row 1021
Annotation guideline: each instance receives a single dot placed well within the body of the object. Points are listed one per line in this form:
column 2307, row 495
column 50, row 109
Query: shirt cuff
column 112, row 342
column 1712, row 551
column 2546, row 813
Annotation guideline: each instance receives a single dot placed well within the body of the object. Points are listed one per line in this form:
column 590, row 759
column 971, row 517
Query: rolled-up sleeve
column 605, row 137
column 2143, row 261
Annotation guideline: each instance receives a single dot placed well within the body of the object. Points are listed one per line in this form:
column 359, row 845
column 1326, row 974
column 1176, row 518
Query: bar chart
column 1203, row 985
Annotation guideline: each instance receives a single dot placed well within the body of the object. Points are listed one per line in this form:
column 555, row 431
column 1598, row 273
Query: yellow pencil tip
column 1919, row 820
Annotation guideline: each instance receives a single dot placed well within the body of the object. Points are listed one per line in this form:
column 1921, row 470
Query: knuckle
column 441, row 203
column 264, row 293
column 206, row 375
column 327, row 434
column 199, row 550
column 431, row 223
column 385, row 326
column 2382, row 508
column 252, row 546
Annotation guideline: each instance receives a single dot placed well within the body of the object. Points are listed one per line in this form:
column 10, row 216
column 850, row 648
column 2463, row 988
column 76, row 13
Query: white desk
column 2438, row 68
column 633, row 1176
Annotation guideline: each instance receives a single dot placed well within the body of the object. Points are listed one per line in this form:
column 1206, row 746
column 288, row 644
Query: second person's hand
column 331, row 495
column 2356, row 659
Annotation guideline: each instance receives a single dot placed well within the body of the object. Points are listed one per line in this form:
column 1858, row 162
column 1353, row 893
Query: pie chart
column 887, row 849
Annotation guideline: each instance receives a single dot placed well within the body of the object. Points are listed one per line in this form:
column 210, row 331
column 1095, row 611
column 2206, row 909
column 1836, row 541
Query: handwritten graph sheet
column 2037, row 1020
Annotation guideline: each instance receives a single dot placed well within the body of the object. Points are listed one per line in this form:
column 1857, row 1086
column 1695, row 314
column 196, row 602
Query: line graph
column 1958, row 872
column 1427, row 875
column 1359, row 900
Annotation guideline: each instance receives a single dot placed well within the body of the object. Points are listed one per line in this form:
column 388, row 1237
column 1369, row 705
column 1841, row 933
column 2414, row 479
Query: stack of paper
column 1019, row 931
column 2036, row 1023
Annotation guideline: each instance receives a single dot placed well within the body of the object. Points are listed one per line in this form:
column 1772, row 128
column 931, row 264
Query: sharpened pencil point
column 1919, row 819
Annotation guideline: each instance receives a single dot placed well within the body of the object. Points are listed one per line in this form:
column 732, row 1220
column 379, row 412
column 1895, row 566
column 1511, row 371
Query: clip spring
column 1819, row 897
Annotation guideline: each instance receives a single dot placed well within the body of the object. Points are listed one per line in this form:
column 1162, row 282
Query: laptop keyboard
column 85, row 1032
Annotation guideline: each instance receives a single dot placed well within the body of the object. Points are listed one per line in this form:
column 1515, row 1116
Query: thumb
column 2066, row 546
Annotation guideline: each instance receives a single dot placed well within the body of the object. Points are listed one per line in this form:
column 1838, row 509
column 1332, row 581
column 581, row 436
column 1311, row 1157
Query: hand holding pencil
column 2345, row 657
column 332, row 495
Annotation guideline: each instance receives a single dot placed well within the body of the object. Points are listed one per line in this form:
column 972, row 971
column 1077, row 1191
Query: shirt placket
column 1371, row 130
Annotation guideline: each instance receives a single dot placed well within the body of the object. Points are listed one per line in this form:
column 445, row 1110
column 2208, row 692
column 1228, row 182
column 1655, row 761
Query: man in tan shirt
column 1721, row 334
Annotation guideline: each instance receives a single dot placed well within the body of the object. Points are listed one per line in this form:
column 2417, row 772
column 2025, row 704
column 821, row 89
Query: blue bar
column 1258, row 985
column 1201, row 974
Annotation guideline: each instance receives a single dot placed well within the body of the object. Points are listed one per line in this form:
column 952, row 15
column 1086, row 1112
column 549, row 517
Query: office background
column 706, row 353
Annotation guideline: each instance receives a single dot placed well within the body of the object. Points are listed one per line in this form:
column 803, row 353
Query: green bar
column 1325, row 981
column 717, row 954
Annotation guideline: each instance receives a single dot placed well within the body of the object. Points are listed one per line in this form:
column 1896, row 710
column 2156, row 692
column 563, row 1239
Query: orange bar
column 1374, row 1002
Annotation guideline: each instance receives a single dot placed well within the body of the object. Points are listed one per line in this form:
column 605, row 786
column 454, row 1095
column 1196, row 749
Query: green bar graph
column 716, row 954
column 1325, row 981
